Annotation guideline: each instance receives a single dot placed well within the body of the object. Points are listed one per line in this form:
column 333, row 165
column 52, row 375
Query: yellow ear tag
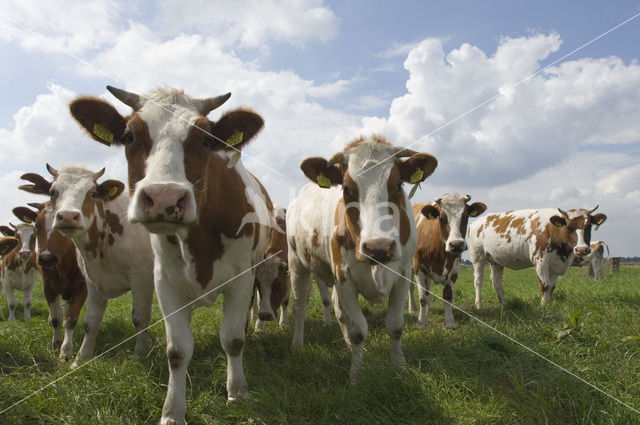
column 323, row 181
column 416, row 176
column 103, row 133
column 558, row 224
column 26, row 219
column 431, row 217
column 235, row 138
column 113, row 191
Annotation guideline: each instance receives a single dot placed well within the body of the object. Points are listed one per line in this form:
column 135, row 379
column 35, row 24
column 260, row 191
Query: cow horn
column 13, row 226
column 52, row 171
column 401, row 152
column 437, row 200
column 204, row 106
column 36, row 205
column 593, row 209
column 337, row 158
column 563, row 212
column 128, row 98
column 467, row 198
column 99, row 174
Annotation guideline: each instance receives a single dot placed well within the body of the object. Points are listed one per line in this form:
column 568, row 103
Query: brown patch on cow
column 519, row 225
column 447, row 293
column 395, row 194
column 345, row 236
column 359, row 140
column 480, row 229
column 234, row 348
column 431, row 255
column 113, row 222
column 137, row 150
column 314, row 239
column 501, row 224
column 175, row 356
column 95, row 237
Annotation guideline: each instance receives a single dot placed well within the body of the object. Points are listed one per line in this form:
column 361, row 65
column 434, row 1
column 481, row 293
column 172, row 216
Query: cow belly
column 18, row 280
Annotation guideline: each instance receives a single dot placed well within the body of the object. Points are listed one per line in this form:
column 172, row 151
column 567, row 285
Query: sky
column 524, row 104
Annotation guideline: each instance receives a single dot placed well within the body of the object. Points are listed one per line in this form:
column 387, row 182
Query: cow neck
column 101, row 233
column 222, row 204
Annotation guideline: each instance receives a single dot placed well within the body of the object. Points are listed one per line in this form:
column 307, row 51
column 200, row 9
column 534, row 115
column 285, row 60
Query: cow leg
column 71, row 315
column 353, row 323
column 96, row 305
column 234, row 318
column 301, row 286
column 325, row 296
column 284, row 317
column 447, row 296
column 424, row 291
column 142, row 300
column 412, row 297
column 395, row 318
column 254, row 302
column 546, row 286
column 12, row 301
column 177, row 320
column 496, row 280
column 55, row 320
column 26, row 301
column 478, row 278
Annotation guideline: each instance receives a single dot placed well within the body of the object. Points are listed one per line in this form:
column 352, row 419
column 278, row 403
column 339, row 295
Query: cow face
column 7, row 244
column 25, row 235
column 578, row 225
column 373, row 209
column 168, row 142
column 453, row 212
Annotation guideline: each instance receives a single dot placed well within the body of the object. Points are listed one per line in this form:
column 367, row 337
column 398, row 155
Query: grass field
column 471, row 375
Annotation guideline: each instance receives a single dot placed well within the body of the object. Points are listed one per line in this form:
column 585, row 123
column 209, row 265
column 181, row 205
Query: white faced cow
column 18, row 267
column 353, row 227
column 442, row 227
column 595, row 259
column 209, row 217
column 114, row 255
column 546, row 239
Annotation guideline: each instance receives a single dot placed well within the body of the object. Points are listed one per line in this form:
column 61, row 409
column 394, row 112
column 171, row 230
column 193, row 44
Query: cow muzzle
column 456, row 247
column 582, row 250
column 24, row 255
column 68, row 220
column 157, row 206
column 47, row 259
column 379, row 250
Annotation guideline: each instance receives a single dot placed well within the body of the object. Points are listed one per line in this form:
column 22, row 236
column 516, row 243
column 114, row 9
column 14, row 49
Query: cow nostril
column 181, row 203
column 147, row 201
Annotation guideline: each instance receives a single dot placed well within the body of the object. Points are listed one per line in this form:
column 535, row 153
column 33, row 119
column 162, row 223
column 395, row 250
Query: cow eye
column 399, row 188
column 94, row 194
column 127, row 137
column 53, row 193
column 346, row 191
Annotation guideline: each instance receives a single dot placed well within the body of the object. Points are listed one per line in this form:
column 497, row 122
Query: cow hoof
column 421, row 323
column 74, row 365
column 65, row 356
column 478, row 306
column 238, row 396
column 399, row 360
column 171, row 421
column 450, row 326
column 55, row 344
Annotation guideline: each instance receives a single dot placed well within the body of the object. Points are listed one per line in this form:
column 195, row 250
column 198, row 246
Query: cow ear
column 321, row 172
column 558, row 221
column 476, row 209
column 40, row 186
column 234, row 129
column 598, row 219
column 102, row 122
column 417, row 168
column 430, row 212
column 27, row 215
column 7, row 244
column 110, row 189
column 7, row 231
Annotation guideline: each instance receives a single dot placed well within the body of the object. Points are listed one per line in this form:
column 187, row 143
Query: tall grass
column 471, row 375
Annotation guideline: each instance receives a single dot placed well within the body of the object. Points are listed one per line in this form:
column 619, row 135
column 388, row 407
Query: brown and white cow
column 61, row 275
column 546, row 239
column 272, row 276
column 114, row 256
column 595, row 259
column 442, row 226
column 353, row 227
column 18, row 270
column 209, row 218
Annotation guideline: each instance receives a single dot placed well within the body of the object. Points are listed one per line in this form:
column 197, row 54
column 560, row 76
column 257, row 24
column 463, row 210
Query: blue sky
column 322, row 72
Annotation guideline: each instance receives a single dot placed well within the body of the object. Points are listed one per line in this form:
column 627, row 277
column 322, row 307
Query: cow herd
column 194, row 224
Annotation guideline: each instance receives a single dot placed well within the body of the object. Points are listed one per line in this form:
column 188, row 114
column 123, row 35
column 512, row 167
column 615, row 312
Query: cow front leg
column 12, row 301
column 237, row 298
column 546, row 287
column 394, row 318
column 325, row 296
column 26, row 301
column 353, row 323
column 497, row 272
column 284, row 317
column 412, row 297
column 447, row 296
column 301, row 288
column 424, row 295
column 478, row 279
column 71, row 315
column 96, row 305
column 142, row 300
column 55, row 321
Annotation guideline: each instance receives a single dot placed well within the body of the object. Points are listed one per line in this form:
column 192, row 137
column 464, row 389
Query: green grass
column 471, row 375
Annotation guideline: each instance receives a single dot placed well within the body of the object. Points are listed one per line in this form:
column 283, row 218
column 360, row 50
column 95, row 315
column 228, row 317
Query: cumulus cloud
column 527, row 128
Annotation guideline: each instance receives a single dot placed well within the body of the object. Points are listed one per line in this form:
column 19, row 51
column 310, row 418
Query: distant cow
column 61, row 275
column 595, row 259
column 18, row 268
column 209, row 217
column 353, row 227
column 272, row 276
column 442, row 227
column 546, row 239
column 115, row 256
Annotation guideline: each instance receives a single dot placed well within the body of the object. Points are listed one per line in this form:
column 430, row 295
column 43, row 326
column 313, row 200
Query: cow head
column 7, row 244
column 25, row 234
column 168, row 142
column 453, row 212
column 373, row 208
column 578, row 224
column 75, row 196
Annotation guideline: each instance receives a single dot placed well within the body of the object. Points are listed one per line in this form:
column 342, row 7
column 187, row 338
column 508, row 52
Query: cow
column 595, row 259
column 272, row 276
column 442, row 227
column 18, row 269
column 352, row 227
column 209, row 218
column 61, row 275
column 114, row 256
column 546, row 239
